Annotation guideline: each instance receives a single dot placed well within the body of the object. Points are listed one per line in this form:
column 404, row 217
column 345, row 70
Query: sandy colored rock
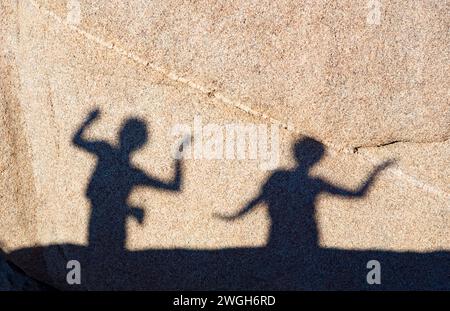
column 348, row 72
column 301, row 64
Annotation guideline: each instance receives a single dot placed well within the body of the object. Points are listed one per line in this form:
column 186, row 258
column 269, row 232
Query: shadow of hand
column 224, row 217
column 138, row 213
column 385, row 165
column 187, row 140
column 94, row 114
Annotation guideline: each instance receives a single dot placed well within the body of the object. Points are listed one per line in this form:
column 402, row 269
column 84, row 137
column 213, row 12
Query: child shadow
column 291, row 260
column 113, row 180
column 291, row 195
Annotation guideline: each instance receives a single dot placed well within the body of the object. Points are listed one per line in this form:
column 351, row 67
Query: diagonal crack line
column 211, row 93
column 401, row 175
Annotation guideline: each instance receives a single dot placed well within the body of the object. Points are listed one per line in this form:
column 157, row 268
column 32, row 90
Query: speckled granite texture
column 368, row 80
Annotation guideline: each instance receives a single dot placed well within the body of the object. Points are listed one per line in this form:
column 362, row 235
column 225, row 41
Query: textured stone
column 297, row 63
column 325, row 67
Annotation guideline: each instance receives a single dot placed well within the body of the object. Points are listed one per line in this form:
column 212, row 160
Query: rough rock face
column 351, row 72
column 75, row 184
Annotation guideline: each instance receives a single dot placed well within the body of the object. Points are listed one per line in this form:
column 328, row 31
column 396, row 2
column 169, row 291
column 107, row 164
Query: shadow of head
column 308, row 151
column 133, row 135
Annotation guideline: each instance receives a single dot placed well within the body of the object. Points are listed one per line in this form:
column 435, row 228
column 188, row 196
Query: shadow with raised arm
column 113, row 180
column 291, row 195
column 292, row 259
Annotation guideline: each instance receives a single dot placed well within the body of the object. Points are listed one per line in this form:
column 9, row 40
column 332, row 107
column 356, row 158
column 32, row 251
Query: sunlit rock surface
column 296, row 68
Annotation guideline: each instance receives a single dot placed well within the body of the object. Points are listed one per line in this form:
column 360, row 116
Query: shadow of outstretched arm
column 250, row 205
column 80, row 142
column 174, row 185
column 362, row 190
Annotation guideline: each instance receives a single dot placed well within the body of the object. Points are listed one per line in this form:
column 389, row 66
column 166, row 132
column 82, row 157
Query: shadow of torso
column 290, row 198
column 108, row 190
